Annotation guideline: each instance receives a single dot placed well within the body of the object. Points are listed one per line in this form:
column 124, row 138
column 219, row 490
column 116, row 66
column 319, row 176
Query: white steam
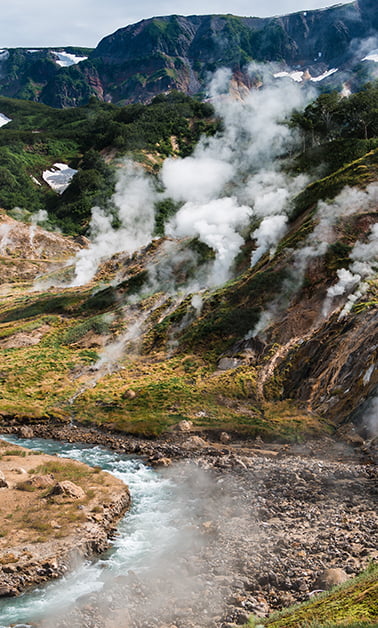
column 352, row 280
column 364, row 255
column 134, row 200
column 231, row 178
column 229, row 183
column 370, row 418
column 217, row 224
column 271, row 230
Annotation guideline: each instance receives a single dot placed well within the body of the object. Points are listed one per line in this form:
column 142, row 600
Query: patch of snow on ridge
column 59, row 177
column 4, row 54
column 4, row 120
column 295, row 76
column 316, row 79
column 65, row 59
column 372, row 56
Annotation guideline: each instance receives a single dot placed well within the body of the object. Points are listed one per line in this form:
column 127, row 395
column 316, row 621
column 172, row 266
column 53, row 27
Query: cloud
column 41, row 23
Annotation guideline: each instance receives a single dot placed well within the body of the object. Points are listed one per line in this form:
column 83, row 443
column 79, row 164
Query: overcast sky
column 37, row 23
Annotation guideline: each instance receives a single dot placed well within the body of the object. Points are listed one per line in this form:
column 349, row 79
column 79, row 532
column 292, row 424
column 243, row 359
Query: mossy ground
column 353, row 604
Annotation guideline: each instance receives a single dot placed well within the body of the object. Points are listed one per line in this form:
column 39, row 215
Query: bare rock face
column 331, row 578
column 69, row 489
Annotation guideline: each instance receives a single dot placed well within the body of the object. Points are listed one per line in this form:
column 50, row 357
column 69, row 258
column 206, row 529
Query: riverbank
column 262, row 524
column 54, row 512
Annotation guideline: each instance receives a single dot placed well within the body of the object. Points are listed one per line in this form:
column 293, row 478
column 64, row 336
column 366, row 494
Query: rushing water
column 146, row 531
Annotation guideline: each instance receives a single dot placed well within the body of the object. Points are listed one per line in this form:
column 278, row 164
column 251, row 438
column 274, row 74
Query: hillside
column 212, row 289
column 328, row 47
column 255, row 322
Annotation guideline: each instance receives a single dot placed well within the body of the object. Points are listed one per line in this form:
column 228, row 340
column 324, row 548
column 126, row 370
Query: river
column 209, row 541
column 146, row 531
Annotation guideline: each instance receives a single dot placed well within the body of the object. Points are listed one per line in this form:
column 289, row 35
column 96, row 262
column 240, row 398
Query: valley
column 188, row 301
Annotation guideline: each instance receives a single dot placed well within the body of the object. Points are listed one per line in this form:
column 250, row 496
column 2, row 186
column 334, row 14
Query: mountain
column 161, row 54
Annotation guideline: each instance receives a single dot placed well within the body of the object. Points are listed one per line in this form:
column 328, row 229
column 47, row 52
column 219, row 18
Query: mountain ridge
column 160, row 54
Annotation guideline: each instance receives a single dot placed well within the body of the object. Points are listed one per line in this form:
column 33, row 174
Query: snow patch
column 65, row 59
column 4, row 119
column 372, row 56
column 59, row 177
column 316, row 79
column 35, row 180
column 295, row 76
column 4, row 54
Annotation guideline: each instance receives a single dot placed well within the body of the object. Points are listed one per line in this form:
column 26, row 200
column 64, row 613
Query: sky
column 43, row 23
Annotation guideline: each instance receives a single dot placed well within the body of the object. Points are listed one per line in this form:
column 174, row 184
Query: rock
column 224, row 438
column 195, row 442
column 225, row 364
column 242, row 618
column 18, row 470
column 161, row 462
column 3, row 482
column 41, row 481
column 26, row 432
column 7, row 591
column 331, row 578
column 129, row 394
column 183, row 426
column 68, row 489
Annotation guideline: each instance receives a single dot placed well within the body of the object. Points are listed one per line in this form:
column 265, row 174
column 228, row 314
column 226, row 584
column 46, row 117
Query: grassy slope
column 155, row 387
column 353, row 604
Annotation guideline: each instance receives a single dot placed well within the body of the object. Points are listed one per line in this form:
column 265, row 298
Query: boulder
column 26, row 432
column 161, row 462
column 331, row 578
column 184, row 426
column 3, row 482
column 18, row 470
column 224, row 438
column 69, row 489
column 195, row 442
column 226, row 364
column 41, row 481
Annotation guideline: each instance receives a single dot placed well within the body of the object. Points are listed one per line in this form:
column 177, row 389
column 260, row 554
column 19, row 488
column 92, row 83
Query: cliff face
column 174, row 52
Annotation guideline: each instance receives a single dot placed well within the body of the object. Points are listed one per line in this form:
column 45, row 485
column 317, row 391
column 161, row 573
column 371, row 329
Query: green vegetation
column 353, row 604
column 336, row 130
column 39, row 136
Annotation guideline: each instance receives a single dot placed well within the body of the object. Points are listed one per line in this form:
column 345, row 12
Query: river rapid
column 145, row 532
column 208, row 542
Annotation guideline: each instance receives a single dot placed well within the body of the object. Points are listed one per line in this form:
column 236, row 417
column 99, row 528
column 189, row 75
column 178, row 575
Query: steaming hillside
column 230, row 281
column 328, row 47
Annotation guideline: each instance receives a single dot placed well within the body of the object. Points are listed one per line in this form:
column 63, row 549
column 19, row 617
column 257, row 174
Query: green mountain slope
column 135, row 354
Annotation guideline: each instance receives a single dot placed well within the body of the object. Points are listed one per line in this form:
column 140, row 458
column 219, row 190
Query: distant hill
column 161, row 54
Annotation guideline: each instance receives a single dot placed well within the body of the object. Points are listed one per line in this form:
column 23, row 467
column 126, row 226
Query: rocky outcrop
column 68, row 489
column 334, row 370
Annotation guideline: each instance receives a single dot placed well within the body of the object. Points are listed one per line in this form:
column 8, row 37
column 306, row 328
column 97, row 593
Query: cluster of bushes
column 337, row 130
column 39, row 135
